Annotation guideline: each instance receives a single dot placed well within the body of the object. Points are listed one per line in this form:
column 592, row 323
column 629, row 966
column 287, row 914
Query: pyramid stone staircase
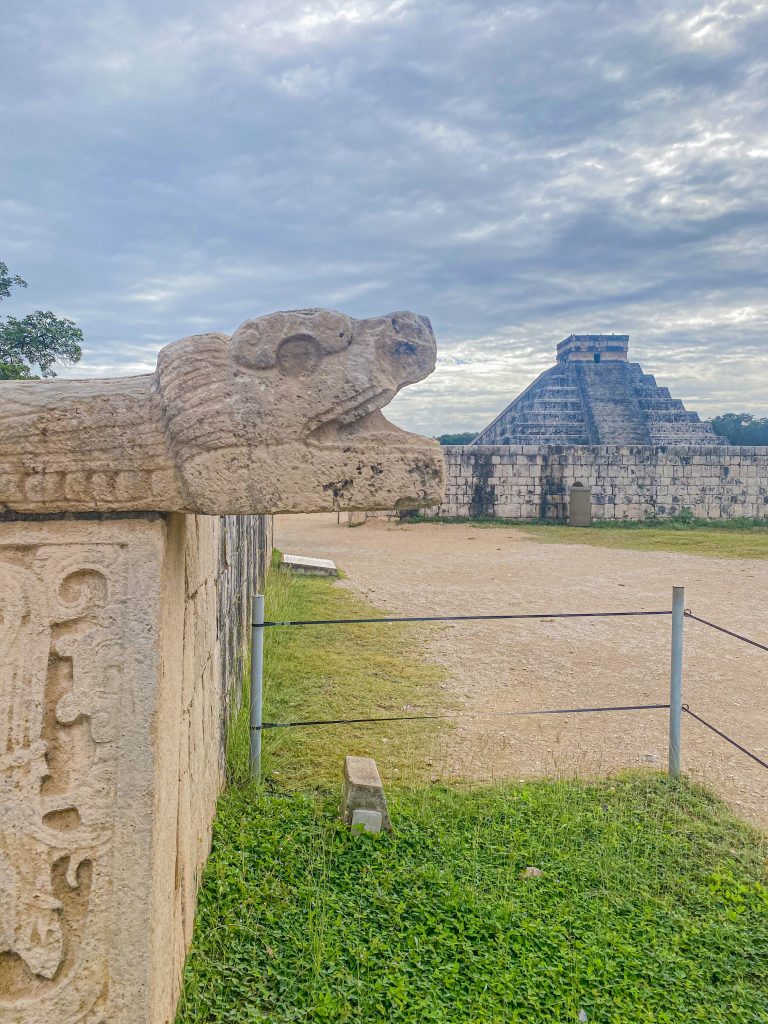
column 594, row 395
column 611, row 406
column 549, row 411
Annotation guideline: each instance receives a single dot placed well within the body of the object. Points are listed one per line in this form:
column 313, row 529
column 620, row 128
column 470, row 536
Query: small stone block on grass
column 363, row 791
column 310, row 566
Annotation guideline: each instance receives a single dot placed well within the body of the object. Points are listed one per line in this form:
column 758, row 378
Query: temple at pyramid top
column 595, row 395
column 593, row 348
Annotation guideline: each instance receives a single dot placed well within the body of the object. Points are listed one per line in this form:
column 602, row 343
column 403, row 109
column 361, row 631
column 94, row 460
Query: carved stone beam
column 284, row 416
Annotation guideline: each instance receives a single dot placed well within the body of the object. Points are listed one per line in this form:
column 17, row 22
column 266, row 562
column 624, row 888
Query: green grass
column 329, row 672
column 652, row 908
column 735, row 538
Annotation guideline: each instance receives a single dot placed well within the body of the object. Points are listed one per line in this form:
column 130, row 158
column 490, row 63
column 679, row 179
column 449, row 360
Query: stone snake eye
column 298, row 354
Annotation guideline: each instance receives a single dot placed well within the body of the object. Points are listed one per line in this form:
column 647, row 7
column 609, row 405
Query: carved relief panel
column 62, row 701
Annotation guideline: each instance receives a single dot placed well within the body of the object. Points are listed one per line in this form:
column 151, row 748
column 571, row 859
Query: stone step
column 545, row 416
column 662, row 404
column 612, row 407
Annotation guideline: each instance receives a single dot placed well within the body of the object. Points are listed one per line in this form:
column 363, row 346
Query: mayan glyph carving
column 61, row 659
column 284, row 416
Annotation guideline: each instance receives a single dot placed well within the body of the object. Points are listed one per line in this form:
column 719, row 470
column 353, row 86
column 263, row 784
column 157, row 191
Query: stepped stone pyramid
column 594, row 395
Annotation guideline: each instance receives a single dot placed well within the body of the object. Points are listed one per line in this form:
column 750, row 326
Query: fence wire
column 728, row 632
column 458, row 718
column 457, row 618
column 728, row 739
column 311, row 723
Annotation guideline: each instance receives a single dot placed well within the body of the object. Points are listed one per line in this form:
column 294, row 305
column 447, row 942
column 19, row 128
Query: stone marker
column 580, row 505
column 363, row 791
column 284, row 416
column 310, row 566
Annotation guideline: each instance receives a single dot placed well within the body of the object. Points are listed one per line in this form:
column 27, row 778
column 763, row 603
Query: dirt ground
column 423, row 569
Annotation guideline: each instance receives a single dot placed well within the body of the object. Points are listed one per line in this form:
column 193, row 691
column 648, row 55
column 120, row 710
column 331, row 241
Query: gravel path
column 496, row 666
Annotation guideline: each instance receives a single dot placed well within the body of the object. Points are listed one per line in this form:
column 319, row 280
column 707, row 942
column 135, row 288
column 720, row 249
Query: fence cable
column 728, row 632
column 723, row 735
column 457, row 618
column 507, row 714
column 458, row 717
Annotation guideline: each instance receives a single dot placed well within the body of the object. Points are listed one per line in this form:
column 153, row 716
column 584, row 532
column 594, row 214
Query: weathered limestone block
column 116, row 634
column 284, row 416
column 362, row 790
column 76, row 756
column 308, row 565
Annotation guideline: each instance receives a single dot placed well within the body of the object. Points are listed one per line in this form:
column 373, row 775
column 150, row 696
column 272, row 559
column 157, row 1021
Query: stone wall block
column 119, row 625
column 647, row 479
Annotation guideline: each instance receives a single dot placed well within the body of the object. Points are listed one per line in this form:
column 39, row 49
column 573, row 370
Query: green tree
column 741, row 428
column 38, row 340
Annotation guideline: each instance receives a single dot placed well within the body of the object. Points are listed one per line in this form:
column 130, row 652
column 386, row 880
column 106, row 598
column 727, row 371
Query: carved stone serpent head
column 285, row 415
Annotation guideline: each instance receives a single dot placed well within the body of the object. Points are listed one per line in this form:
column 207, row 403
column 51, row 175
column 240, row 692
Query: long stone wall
column 633, row 482
column 122, row 644
column 225, row 559
column 245, row 550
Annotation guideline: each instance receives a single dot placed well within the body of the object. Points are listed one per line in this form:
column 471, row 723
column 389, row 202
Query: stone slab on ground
column 311, row 566
column 363, row 791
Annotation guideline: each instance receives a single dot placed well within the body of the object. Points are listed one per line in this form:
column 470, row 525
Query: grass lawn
column 713, row 539
column 322, row 672
column 652, row 908
column 652, row 905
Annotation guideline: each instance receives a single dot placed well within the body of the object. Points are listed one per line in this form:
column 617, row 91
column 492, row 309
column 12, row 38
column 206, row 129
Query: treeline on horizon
column 740, row 428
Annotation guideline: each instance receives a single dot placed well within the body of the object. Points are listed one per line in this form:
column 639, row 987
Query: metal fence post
column 257, row 684
column 676, row 683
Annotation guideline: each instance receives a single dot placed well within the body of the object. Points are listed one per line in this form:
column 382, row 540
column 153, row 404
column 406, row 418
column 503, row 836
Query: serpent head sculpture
column 283, row 416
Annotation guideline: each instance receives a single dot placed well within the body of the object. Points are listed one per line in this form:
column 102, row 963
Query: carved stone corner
column 81, row 683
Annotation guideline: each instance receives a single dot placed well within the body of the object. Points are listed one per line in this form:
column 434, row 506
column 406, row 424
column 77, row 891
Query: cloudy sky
column 516, row 171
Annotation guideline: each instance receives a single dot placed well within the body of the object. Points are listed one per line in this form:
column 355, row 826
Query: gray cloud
column 515, row 171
